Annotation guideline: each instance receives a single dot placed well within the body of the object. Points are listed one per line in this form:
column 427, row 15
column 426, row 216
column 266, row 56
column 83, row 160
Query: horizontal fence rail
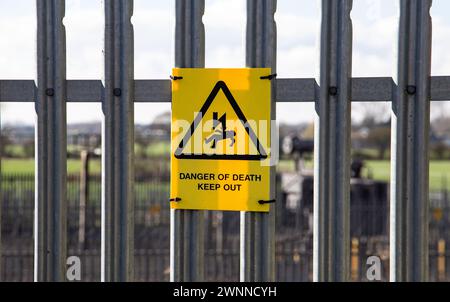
column 376, row 89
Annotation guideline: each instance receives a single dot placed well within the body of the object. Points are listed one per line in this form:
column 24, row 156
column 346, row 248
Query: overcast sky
column 374, row 23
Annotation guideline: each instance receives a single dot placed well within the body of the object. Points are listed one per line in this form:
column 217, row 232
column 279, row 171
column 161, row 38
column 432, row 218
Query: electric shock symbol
column 220, row 133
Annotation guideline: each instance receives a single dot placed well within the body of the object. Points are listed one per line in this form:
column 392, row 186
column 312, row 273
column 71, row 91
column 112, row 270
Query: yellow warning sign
column 221, row 128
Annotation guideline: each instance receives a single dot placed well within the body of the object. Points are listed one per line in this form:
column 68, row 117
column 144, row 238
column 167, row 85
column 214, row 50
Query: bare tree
column 370, row 114
column 380, row 138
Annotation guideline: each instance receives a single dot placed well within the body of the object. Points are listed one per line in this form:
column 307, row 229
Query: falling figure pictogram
column 220, row 133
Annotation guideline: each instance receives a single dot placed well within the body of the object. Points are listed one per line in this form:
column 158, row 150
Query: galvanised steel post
column 117, row 247
column 332, row 145
column 257, row 238
column 1, row 194
column 187, row 226
column 410, row 147
column 50, row 225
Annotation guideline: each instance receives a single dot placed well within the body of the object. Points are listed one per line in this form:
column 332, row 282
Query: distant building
column 159, row 129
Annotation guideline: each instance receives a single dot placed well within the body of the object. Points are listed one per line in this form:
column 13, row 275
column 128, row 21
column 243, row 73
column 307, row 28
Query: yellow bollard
column 355, row 260
column 441, row 260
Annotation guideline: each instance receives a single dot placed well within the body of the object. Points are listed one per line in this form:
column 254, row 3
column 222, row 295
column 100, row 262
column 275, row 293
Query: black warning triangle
column 221, row 86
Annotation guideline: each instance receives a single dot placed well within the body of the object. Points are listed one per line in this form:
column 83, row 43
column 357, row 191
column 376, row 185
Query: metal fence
column 410, row 92
column 293, row 245
column 151, row 249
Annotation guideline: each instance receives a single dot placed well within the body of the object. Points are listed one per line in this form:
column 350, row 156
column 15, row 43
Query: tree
column 439, row 150
column 380, row 138
column 369, row 115
column 308, row 133
column 4, row 142
column 28, row 148
column 141, row 143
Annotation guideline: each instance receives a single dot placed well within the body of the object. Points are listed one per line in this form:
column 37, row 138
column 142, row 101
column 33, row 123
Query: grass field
column 379, row 170
column 27, row 166
column 439, row 173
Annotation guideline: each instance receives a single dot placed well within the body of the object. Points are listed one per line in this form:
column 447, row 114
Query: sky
column 298, row 23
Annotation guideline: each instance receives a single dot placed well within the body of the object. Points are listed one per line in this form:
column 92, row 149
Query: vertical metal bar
column 1, row 190
column 186, row 226
column 332, row 145
column 50, row 227
column 410, row 154
column 117, row 148
column 257, row 235
column 84, row 197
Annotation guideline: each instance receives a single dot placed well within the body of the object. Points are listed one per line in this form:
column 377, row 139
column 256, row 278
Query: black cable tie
column 176, row 199
column 266, row 201
column 269, row 77
column 175, row 78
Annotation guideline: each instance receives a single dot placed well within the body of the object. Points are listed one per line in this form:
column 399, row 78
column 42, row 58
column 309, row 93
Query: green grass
column 73, row 166
column 381, row 170
column 158, row 149
column 17, row 165
column 15, row 150
column 439, row 174
column 439, row 170
column 378, row 170
column 285, row 165
column 26, row 166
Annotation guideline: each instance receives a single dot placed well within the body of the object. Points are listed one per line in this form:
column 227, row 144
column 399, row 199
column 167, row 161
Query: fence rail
column 410, row 92
column 292, row 90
